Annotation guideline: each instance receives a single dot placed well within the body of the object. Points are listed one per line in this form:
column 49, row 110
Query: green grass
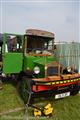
column 64, row 109
column 67, row 109
column 9, row 98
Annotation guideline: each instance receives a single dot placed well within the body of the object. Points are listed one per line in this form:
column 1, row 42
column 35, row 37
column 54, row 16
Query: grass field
column 64, row 109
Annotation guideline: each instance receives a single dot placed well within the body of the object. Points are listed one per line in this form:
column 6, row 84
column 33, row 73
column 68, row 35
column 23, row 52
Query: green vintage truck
column 33, row 59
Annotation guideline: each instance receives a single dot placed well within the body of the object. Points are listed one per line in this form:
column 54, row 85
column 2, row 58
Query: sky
column 58, row 16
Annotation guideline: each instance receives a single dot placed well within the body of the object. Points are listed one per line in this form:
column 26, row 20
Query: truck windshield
column 39, row 46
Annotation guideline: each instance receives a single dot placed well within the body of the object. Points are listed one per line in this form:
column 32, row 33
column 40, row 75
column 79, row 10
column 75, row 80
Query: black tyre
column 75, row 92
column 75, row 89
column 23, row 89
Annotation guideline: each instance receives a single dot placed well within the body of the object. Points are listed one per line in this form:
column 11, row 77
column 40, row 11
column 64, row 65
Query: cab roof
column 40, row 33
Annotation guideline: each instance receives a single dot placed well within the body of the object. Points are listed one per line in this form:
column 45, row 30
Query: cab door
column 12, row 53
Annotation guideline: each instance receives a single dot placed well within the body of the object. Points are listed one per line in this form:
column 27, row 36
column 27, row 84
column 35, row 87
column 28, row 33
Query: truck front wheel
column 75, row 89
column 23, row 89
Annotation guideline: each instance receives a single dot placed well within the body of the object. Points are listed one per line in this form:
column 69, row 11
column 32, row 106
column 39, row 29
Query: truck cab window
column 14, row 44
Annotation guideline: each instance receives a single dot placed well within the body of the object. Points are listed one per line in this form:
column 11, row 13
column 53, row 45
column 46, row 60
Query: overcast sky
column 58, row 16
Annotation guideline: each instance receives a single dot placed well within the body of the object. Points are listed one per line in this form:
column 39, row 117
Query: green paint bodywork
column 32, row 61
column 12, row 63
column 29, row 62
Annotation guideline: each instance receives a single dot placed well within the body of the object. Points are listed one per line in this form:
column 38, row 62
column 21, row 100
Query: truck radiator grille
column 52, row 71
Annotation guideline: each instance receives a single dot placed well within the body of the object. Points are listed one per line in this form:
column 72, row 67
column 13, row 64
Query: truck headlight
column 69, row 69
column 36, row 70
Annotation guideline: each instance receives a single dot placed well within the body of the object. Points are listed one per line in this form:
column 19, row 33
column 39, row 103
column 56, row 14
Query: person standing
column 55, row 53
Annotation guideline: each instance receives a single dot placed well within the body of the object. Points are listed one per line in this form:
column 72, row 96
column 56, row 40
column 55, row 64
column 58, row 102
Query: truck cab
column 38, row 50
